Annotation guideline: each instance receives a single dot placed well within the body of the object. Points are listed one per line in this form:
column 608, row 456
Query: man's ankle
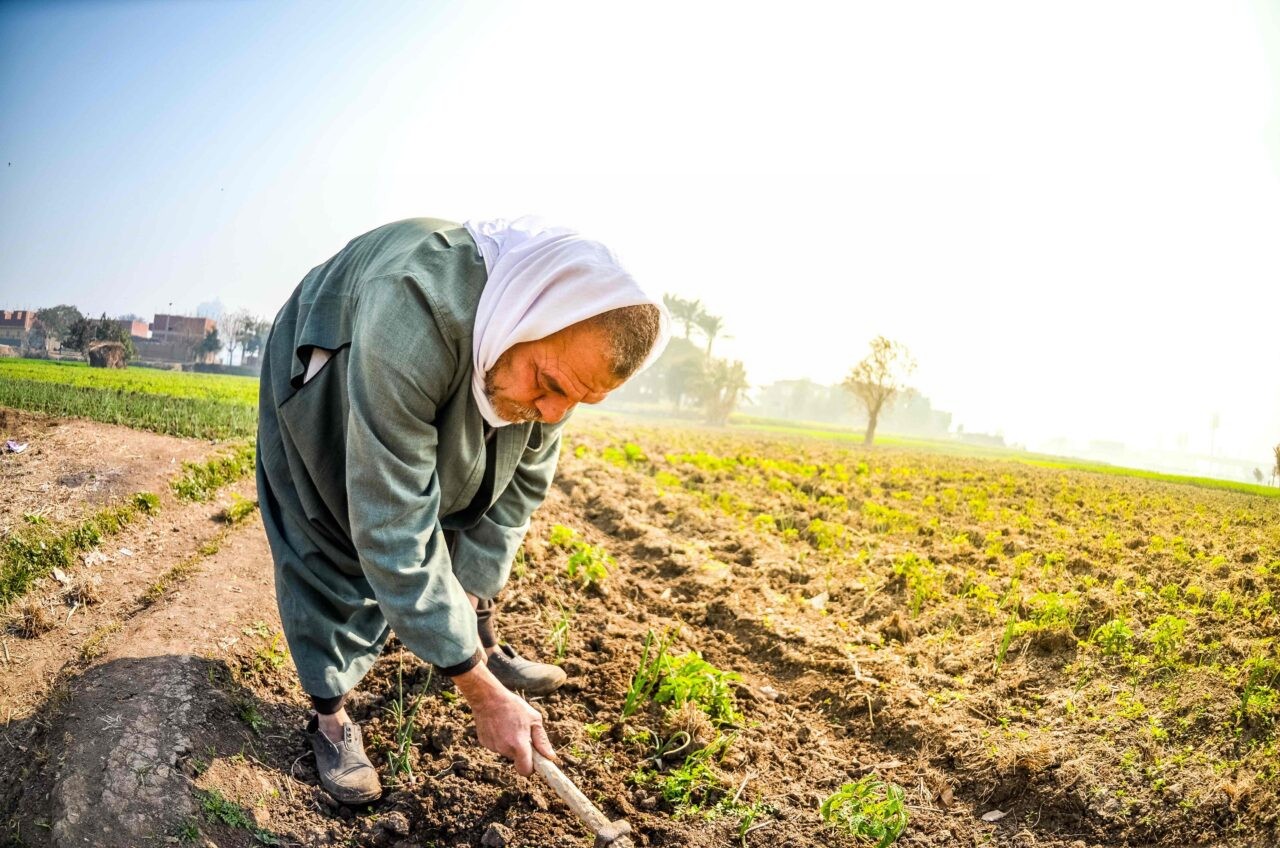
column 331, row 725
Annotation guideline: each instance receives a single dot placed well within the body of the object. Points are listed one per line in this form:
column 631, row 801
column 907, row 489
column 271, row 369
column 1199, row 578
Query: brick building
column 15, row 325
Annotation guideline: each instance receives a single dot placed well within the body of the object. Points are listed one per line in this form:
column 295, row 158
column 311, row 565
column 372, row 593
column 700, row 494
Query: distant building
column 172, row 338
column 181, row 328
column 15, row 326
column 137, row 329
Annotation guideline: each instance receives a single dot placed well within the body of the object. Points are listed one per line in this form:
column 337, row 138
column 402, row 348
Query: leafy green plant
column 691, row 679
column 868, row 809
column 218, row 808
column 1114, row 637
column 588, row 565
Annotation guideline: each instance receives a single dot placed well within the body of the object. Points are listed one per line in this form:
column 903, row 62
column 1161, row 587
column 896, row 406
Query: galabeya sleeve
column 482, row 555
column 400, row 367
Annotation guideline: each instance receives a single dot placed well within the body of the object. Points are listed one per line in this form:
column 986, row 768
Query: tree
column 253, row 336
column 231, row 327
column 1275, row 472
column 685, row 312
column 879, row 378
column 57, row 320
column 1258, row 475
column 710, row 325
column 210, row 344
column 721, row 387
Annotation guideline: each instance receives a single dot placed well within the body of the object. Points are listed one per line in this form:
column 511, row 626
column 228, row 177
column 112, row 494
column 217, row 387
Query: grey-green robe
column 360, row 469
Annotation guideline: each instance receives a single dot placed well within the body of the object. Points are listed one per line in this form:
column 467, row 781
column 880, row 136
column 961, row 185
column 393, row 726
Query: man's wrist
column 478, row 685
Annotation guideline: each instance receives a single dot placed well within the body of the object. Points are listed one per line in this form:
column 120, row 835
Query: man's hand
column 505, row 723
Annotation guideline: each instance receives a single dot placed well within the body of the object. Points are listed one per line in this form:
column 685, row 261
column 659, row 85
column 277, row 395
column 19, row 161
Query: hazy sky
column 1069, row 211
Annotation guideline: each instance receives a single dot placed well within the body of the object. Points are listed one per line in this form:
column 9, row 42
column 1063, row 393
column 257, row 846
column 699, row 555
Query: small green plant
column 1114, row 637
column 562, row 537
column 402, row 722
column 239, row 510
column 868, row 809
column 694, row 783
column 596, row 729
column 559, row 636
column 217, row 808
column 248, row 712
column 644, row 683
column 691, row 679
column 200, row 480
column 189, row 831
column 588, row 565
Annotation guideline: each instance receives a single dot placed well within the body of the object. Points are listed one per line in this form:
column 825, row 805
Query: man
column 413, row 391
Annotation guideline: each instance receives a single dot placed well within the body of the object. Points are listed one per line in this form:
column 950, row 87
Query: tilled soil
column 813, row 716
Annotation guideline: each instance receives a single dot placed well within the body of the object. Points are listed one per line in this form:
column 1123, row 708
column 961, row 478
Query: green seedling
column 868, row 809
column 402, row 721
column 559, row 636
column 644, row 683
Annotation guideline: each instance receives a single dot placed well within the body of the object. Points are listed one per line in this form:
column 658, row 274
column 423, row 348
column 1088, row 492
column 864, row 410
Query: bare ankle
column 331, row 725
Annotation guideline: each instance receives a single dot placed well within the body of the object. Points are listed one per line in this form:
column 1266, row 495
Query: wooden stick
column 575, row 800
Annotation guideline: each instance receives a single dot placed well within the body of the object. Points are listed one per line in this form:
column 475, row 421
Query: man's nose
column 552, row 409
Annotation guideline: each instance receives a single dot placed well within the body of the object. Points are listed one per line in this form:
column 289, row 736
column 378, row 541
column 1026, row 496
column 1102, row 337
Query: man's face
column 544, row 379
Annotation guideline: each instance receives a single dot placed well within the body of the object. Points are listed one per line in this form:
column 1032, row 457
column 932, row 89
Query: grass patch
column 203, row 406
column 27, row 557
column 217, row 808
column 200, row 480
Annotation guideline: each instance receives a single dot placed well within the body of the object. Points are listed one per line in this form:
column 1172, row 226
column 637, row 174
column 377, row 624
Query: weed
column 693, row 784
column 587, row 564
column 868, row 809
column 24, row 559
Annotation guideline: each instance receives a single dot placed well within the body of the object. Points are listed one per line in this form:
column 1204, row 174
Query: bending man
column 413, row 391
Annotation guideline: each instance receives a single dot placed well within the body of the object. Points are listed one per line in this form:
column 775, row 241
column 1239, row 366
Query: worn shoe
column 345, row 771
column 521, row 675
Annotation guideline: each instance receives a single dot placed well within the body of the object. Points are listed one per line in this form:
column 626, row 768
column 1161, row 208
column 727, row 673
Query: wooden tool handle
column 570, row 794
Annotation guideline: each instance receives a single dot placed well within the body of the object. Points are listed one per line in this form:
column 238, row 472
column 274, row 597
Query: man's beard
column 508, row 410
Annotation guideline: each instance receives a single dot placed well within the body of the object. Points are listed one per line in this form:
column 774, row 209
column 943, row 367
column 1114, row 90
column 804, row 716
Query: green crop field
column 207, row 406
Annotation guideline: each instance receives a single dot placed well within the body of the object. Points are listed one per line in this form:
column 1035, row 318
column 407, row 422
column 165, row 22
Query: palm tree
column 710, row 325
column 683, row 311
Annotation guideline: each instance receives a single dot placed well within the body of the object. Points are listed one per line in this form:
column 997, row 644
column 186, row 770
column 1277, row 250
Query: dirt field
column 931, row 621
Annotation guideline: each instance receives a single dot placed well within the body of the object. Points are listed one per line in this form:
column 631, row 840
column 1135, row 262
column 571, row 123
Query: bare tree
column 231, row 327
column 1275, row 472
column 879, row 378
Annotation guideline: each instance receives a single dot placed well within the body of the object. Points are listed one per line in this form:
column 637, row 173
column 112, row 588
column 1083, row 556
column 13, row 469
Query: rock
column 537, row 800
column 395, row 822
column 497, row 836
column 649, row 802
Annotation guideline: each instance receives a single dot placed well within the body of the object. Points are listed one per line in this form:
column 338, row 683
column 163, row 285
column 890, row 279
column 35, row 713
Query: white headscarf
column 541, row 280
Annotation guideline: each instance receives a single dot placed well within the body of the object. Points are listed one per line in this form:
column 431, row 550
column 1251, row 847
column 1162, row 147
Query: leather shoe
column 521, row 675
column 344, row 769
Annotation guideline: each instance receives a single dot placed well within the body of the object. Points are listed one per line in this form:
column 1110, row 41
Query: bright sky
column 1068, row 211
